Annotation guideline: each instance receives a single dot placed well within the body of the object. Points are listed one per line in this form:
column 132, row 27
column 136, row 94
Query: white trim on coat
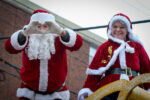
column 43, row 81
column 73, row 37
column 14, row 41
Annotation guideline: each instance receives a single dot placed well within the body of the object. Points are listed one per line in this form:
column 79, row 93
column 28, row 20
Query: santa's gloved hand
column 31, row 28
column 54, row 28
column 22, row 37
column 84, row 93
column 65, row 36
column 25, row 30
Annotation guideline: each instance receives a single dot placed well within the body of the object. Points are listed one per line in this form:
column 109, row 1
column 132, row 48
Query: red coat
column 138, row 61
column 57, row 65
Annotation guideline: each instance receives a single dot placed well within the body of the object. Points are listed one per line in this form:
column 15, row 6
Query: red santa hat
column 41, row 16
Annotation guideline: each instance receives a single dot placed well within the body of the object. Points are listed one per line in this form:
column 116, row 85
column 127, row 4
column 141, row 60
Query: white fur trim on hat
column 25, row 92
column 42, row 17
column 84, row 93
column 15, row 43
column 121, row 18
column 73, row 37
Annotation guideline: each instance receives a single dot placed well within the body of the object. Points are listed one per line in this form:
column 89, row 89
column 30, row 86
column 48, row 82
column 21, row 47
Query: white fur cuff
column 73, row 37
column 25, row 92
column 42, row 17
column 84, row 93
column 14, row 41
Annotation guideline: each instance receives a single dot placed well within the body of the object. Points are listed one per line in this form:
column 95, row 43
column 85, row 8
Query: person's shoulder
column 103, row 45
column 135, row 44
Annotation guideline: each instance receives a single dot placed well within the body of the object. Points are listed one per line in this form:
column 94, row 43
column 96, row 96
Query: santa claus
column 43, row 44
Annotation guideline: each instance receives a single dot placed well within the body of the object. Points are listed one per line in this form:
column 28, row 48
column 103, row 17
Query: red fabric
column 10, row 48
column 138, row 61
column 57, row 65
column 40, row 11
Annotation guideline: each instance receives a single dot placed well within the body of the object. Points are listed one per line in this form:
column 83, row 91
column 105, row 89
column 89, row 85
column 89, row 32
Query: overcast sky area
column 88, row 13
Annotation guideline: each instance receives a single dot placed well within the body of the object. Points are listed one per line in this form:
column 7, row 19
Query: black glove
column 21, row 38
column 66, row 38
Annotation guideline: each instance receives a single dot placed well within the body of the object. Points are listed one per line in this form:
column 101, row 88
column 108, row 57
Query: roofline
column 29, row 7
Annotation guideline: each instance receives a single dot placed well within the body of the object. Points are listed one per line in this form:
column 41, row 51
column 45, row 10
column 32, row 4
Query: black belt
column 46, row 92
column 127, row 71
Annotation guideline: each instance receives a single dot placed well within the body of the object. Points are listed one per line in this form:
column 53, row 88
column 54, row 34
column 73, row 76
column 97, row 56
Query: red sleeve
column 144, row 60
column 92, row 81
column 12, row 45
column 77, row 45
column 9, row 48
column 144, row 63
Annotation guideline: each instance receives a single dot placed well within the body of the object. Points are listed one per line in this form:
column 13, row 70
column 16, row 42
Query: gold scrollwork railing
column 128, row 90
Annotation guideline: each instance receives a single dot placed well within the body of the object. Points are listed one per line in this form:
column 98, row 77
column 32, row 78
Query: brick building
column 14, row 14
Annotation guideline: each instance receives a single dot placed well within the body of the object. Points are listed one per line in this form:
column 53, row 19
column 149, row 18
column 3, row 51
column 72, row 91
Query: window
column 92, row 52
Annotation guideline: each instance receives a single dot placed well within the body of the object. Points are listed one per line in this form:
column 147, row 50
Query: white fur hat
column 42, row 16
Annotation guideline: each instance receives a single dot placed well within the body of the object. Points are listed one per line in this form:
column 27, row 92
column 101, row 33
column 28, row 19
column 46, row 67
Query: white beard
column 41, row 46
